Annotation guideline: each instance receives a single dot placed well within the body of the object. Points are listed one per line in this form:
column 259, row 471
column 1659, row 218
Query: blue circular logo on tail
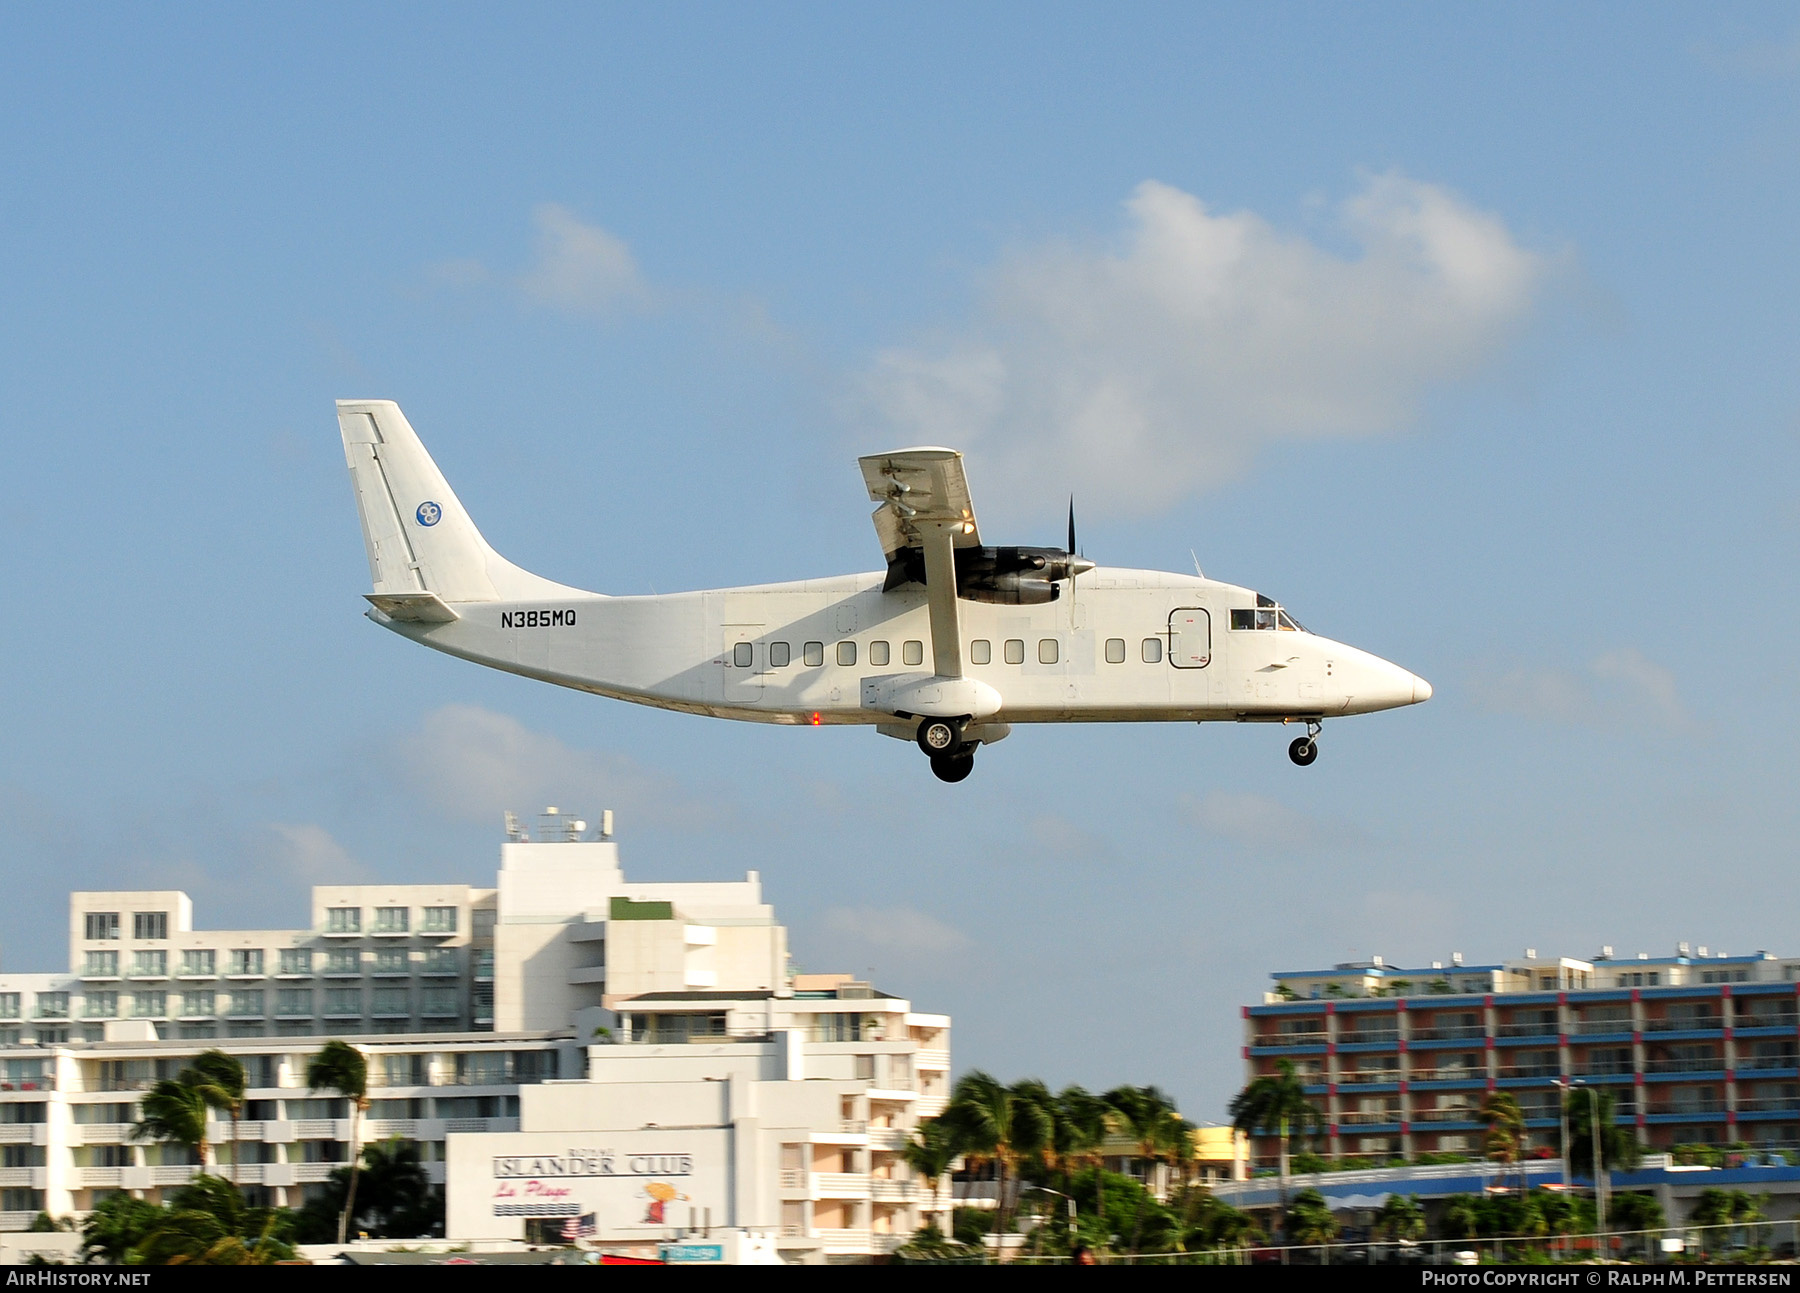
column 430, row 513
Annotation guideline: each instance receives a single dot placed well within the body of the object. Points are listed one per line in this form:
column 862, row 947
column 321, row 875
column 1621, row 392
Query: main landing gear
column 1306, row 748
column 952, row 758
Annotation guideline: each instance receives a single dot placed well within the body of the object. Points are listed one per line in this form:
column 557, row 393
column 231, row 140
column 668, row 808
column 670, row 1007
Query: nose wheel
column 953, row 767
column 1306, row 748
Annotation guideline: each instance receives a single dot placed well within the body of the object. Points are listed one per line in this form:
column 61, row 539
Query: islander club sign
column 580, row 1182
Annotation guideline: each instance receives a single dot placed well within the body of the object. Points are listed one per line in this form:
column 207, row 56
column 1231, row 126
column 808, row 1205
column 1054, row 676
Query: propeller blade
column 1071, row 548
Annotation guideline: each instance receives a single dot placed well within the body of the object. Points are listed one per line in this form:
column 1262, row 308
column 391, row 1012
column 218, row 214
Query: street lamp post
column 1044, row 1189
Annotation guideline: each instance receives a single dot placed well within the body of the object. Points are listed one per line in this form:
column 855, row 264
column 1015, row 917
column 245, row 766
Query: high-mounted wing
column 925, row 504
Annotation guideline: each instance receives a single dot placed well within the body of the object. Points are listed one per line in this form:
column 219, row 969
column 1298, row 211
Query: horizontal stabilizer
column 413, row 608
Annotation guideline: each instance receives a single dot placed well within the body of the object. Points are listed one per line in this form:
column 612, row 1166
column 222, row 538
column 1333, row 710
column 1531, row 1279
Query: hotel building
column 1698, row 1047
column 561, row 999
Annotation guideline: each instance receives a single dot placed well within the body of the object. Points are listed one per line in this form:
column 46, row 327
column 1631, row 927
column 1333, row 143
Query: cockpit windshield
column 1266, row 616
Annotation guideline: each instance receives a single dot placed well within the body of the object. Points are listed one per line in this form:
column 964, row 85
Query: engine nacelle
column 1012, row 588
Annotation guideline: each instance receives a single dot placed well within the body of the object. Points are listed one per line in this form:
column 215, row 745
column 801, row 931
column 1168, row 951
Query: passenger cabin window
column 815, row 654
column 846, row 653
column 878, row 653
column 779, row 655
column 741, row 655
column 1046, row 650
column 912, row 652
column 1015, row 650
column 981, row 651
column 1152, row 650
column 1115, row 650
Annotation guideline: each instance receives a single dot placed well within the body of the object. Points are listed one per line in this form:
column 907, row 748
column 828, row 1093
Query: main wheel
column 1304, row 750
column 953, row 767
column 939, row 737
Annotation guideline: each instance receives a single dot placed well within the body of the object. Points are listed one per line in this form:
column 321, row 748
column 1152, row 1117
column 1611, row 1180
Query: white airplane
column 954, row 644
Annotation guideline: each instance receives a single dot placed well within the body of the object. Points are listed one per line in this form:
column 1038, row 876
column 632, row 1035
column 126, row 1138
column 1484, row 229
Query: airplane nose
column 1421, row 689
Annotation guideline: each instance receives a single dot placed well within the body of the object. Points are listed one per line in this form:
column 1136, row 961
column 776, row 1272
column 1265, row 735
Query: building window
column 1046, row 650
column 840, row 1028
column 293, row 1001
column 912, row 652
column 101, row 925
column 296, row 960
column 200, row 1002
column 814, row 654
column 149, row 926
column 101, row 1005
column 150, row 965
column 439, row 960
column 343, row 920
column 440, row 920
column 981, row 651
column 438, row 1003
column 202, row 964
column 9, row 1005
column 343, row 1001
column 389, row 1002
column 247, row 1002
column 390, row 920
column 343, row 960
column 391, row 960
column 101, row 965
column 53, row 1005
column 484, row 1068
column 247, row 961
column 149, row 1005
column 406, row 1070
column 878, row 653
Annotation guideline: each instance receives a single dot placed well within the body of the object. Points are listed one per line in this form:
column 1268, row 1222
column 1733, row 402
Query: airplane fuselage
column 1126, row 646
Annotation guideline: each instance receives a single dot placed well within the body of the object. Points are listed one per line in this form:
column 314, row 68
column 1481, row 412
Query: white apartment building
column 614, row 995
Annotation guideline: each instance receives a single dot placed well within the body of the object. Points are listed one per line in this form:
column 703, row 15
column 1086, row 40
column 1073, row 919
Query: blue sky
column 1469, row 334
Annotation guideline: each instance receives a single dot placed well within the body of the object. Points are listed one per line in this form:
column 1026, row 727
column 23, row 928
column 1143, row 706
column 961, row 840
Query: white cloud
column 581, row 267
column 1158, row 367
column 900, row 932
column 1618, row 687
column 1269, row 825
column 310, row 855
column 473, row 764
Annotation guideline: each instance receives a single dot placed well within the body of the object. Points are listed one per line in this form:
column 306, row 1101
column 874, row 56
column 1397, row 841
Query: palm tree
column 221, row 1081
column 340, row 1067
column 1311, row 1221
column 1149, row 1117
column 1080, row 1124
column 996, row 1124
column 1275, row 1102
column 1504, row 1141
column 207, row 1224
column 1400, row 1217
column 174, row 1111
column 929, row 1151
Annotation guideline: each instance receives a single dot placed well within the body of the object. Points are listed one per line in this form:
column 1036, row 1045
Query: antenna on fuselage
column 1197, row 570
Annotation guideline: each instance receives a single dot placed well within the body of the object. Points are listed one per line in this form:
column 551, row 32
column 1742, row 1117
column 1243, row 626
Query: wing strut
column 936, row 537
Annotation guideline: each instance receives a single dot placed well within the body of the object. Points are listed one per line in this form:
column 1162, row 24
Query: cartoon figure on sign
column 661, row 1195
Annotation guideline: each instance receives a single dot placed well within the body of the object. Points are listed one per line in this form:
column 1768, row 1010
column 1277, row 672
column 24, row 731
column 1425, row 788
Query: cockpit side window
column 1264, row 618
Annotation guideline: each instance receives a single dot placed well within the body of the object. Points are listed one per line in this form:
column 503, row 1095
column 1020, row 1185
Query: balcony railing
column 1770, row 1104
column 1702, row 1064
column 1446, row 1115
column 1448, row 1075
column 1598, row 1027
column 1693, row 1024
column 1374, row 1037
column 1789, row 1021
column 1455, row 1033
column 1530, row 1071
column 1688, row 1110
column 1527, row 1030
column 1367, row 1077
column 1368, row 1117
column 1290, row 1039
column 1785, row 1060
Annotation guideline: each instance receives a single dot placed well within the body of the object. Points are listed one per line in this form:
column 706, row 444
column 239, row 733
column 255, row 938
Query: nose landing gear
column 1306, row 748
column 952, row 758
